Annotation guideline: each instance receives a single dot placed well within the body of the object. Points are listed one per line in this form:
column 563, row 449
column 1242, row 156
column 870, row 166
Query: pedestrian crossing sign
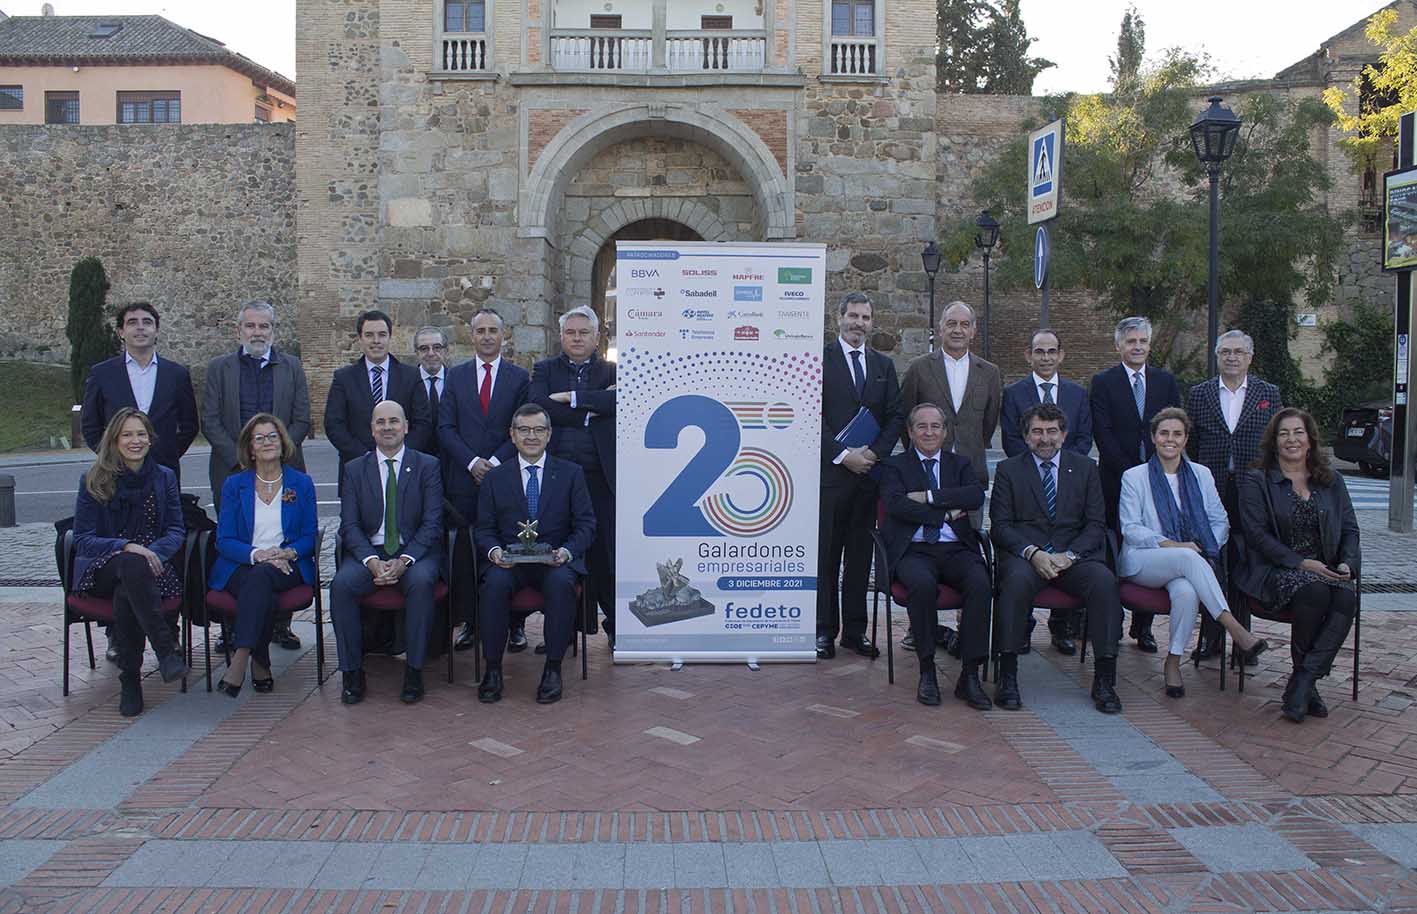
column 1045, row 171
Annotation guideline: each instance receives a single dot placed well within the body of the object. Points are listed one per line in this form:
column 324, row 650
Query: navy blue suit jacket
column 173, row 411
column 1118, row 428
column 564, row 518
column 1021, row 396
column 959, row 487
column 349, row 408
column 420, row 506
column 465, row 432
column 237, row 524
column 98, row 528
column 550, row 376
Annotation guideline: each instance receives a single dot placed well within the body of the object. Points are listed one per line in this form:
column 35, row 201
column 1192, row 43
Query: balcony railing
column 601, row 49
column 463, row 53
column 632, row 51
column 715, row 49
column 853, row 57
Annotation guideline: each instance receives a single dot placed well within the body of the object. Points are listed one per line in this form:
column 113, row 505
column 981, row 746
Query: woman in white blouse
column 1173, row 527
column 265, row 544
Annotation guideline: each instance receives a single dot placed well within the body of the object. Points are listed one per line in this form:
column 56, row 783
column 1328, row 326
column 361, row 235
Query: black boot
column 1104, row 686
column 1296, row 695
column 1006, row 694
column 1317, row 708
column 928, row 692
column 1317, row 662
column 968, row 689
column 130, row 695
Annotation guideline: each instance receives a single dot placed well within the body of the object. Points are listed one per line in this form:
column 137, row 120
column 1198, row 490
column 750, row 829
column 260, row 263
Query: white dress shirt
column 142, row 380
column 267, row 531
column 477, row 392
column 1232, row 403
column 1038, row 383
column 846, row 351
column 384, row 378
column 947, row 534
column 957, row 373
column 540, row 465
column 377, row 537
column 1132, row 375
column 437, row 384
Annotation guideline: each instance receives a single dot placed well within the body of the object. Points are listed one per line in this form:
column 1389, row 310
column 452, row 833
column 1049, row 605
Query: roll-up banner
column 718, row 457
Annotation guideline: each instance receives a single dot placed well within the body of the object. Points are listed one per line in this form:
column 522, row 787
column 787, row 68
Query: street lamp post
column 930, row 259
column 1213, row 136
column 985, row 239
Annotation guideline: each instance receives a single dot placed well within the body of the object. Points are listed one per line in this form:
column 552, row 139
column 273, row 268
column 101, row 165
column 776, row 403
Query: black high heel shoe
column 1250, row 657
column 263, row 685
column 231, row 691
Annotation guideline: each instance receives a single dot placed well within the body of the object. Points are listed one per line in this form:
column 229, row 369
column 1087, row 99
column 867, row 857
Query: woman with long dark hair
column 1302, row 538
column 127, row 532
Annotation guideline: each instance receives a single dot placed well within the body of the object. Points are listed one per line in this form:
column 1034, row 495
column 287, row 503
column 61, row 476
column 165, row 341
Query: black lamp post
column 930, row 259
column 985, row 239
column 1213, row 135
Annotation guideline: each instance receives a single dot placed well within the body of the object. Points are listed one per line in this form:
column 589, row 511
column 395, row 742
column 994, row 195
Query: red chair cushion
column 1268, row 612
column 1145, row 599
column 100, row 609
column 296, row 598
column 529, row 599
column 946, row 597
column 1053, row 598
column 390, row 598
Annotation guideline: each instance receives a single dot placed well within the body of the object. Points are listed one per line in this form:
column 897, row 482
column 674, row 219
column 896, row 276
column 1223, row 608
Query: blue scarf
column 1188, row 523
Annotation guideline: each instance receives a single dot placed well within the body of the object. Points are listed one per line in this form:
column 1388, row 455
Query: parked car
column 1365, row 437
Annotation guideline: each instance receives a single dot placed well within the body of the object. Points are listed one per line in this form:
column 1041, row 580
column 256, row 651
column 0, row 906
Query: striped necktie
column 533, row 493
column 378, row 386
column 1050, row 489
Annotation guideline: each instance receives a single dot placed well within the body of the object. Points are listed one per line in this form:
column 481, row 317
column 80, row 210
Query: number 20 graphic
column 677, row 511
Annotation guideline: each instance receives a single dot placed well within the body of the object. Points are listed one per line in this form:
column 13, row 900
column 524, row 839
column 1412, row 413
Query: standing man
column 1044, row 385
column 139, row 378
column 1049, row 527
column 534, row 486
column 929, row 540
column 254, row 379
column 391, row 528
column 475, row 410
column 577, row 390
column 376, row 377
column 854, row 377
column 1124, row 398
column 431, row 346
column 1228, row 416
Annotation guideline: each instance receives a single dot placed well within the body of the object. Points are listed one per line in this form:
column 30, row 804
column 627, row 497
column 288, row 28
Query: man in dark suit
column 377, row 376
column 140, row 378
column 1049, row 527
column 254, row 379
column 577, row 390
column 1228, row 416
column 854, row 377
column 1123, row 399
column 391, row 527
column 552, row 493
column 1044, row 385
column 430, row 345
column 929, row 540
column 474, row 413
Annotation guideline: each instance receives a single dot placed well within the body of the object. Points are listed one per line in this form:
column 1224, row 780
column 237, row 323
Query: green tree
column 1131, row 47
column 91, row 338
column 982, row 48
column 1133, row 223
column 1384, row 91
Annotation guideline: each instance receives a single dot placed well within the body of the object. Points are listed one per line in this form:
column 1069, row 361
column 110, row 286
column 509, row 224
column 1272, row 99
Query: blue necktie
column 1139, row 396
column 1047, row 391
column 858, row 375
column 1050, row 490
column 377, row 388
column 533, row 493
column 932, row 534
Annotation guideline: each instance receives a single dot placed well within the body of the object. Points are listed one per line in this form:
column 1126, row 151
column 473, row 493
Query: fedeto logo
column 796, row 276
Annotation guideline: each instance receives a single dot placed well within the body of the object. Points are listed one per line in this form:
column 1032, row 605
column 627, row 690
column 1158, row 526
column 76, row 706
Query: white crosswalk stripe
column 1367, row 494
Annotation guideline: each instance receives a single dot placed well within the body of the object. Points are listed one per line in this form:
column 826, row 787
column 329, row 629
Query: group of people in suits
column 1228, row 499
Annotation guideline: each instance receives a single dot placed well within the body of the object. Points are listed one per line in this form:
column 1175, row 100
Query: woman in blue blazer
column 265, row 542
column 1173, row 527
column 127, row 531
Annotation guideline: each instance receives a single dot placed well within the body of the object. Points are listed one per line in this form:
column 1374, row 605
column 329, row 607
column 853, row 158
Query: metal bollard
column 76, row 439
column 7, row 501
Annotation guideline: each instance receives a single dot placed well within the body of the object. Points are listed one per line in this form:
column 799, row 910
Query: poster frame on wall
column 1399, row 211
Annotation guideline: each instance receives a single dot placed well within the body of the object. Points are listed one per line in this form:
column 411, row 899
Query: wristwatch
column 1072, row 556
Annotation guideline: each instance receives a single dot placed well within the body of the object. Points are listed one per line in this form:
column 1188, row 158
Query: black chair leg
column 66, row 653
column 88, row 636
column 890, row 643
column 207, row 649
column 585, row 626
column 319, row 637
column 1357, row 631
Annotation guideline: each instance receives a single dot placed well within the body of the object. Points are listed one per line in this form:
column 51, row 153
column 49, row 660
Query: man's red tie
column 485, row 393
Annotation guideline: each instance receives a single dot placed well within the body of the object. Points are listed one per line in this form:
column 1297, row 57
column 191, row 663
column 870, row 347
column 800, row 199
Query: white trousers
column 1191, row 583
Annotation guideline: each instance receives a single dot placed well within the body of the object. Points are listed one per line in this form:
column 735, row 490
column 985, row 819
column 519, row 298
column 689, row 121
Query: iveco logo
column 793, row 293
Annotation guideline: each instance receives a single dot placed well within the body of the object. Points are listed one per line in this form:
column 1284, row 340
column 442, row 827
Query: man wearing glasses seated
column 550, row 493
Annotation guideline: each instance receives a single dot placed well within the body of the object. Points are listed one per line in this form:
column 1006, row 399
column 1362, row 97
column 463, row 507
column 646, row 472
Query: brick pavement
column 797, row 788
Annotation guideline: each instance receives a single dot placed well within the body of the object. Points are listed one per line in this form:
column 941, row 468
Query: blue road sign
column 1042, row 248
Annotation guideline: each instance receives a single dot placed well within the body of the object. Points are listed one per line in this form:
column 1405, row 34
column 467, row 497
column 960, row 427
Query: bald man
column 391, row 530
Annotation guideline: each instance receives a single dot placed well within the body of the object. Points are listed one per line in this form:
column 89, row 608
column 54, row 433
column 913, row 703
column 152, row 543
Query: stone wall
column 194, row 218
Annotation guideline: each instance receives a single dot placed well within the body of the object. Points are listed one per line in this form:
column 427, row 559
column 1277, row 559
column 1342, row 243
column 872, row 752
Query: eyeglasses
column 430, row 347
column 1235, row 352
column 537, row 430
column 272, row 438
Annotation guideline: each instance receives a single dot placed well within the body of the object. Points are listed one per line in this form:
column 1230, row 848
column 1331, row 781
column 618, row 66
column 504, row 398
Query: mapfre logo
column 640, row 314
column 748, row 277
column 746, row 332
column 698, row 272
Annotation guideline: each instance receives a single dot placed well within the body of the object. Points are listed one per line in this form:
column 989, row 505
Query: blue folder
column 863, row 429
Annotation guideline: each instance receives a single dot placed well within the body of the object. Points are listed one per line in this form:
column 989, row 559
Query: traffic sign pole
column 1404, row 420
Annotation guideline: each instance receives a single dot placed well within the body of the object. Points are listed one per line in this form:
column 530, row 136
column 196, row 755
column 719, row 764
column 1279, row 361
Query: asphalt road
column 45, row 486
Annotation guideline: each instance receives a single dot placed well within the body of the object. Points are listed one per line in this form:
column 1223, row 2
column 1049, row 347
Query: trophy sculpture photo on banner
column 526, row 549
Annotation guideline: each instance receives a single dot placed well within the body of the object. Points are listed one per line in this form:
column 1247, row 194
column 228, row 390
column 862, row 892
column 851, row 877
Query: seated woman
column 1173, row 526
column 265, row 542
column 127, row 532
column 1302, row 542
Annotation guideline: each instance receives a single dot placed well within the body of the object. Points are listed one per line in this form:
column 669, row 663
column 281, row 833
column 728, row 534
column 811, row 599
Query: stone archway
column 580, row 264
column 583, row 138
column 602, row 274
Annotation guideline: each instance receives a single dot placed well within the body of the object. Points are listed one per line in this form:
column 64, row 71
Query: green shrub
column 91, row 337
